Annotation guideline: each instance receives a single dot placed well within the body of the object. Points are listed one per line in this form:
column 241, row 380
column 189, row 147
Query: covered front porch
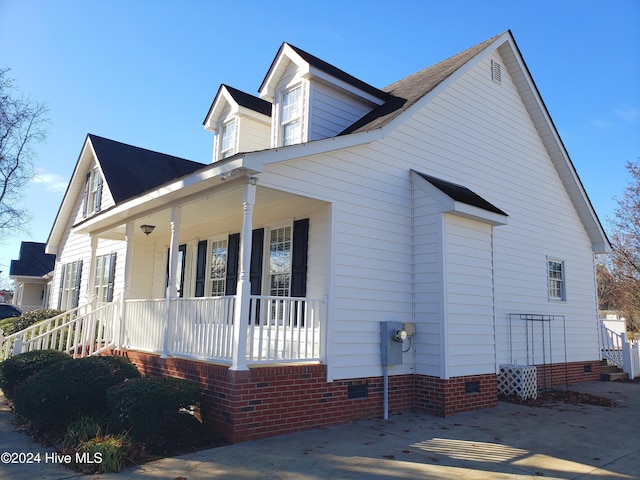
column 224, row 271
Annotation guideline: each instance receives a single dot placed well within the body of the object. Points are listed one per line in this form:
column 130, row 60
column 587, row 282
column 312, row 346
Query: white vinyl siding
column 475, row 133
column 468, row 284
column 331, row 111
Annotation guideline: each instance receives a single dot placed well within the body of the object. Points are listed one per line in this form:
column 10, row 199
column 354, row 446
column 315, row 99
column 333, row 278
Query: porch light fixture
column 147, row 229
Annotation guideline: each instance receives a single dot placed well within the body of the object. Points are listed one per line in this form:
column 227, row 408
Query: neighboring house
column 443, row 206
column 31, row 274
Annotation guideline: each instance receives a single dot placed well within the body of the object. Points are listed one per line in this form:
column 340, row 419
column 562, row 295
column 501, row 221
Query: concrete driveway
column 558, row 441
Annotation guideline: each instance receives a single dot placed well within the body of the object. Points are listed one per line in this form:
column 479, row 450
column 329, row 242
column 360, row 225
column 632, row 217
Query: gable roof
column 32, row 262
column 406, row 92
column 317, row 66
column 243, row 99
column 130, row 171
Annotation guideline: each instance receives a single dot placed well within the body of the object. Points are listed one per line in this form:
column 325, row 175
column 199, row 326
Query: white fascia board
column 75, row 186
column 257, row 160
column 344, row 86
column 478, row 214
column 287, row 54
column 223, row 99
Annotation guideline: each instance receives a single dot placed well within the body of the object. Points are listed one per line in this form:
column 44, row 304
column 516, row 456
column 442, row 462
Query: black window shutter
column 299, row 258
column 201, row 268
column 233, row 255
column 85, row 194
column 76, row 288
column 255, row 270
column 96, row 207
column 61, row 291
column 112, row 276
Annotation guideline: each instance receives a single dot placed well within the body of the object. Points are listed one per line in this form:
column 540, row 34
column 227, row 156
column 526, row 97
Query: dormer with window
column 240, row 123
column 313, row 99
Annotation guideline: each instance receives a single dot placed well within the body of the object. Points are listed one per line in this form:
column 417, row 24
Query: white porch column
column 172, row 287
column 91, row 299
column 243, row 292
column 126, row 288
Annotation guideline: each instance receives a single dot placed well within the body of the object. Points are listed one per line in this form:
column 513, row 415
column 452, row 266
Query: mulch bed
column 549, row 397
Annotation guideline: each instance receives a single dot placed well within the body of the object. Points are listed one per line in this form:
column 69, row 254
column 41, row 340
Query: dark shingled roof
column 130, row 171
column 33, row 262
column 406, row 92
column 243, row 99
column 250, row 101
column 331, row 70
column 461, row 194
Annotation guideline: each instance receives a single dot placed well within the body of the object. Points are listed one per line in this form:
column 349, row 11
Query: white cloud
column 628, row 114
column 52, row 182
column 599, row 123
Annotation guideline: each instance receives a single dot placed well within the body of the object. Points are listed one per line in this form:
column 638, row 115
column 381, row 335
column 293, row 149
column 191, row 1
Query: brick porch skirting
column 273, row 400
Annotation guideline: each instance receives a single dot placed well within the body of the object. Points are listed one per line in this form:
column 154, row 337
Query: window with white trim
column 227, row 139
column 218, row 267
column 556, row 277
column 104, row 277
column 279, row 269
column 70, row 279
column 291, row 116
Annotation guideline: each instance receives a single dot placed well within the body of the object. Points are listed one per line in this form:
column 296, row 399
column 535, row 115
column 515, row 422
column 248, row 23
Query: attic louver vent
column 496, row 71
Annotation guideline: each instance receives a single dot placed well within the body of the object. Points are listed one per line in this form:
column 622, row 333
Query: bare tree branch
column 23, row 123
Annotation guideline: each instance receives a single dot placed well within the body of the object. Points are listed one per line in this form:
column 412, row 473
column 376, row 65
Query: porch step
column 611, row 373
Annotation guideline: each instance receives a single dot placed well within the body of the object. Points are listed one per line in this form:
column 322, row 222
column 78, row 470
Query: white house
column 443, row 209
column 31, row 274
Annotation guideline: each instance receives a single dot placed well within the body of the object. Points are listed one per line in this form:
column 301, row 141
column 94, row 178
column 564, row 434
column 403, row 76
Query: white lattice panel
column 518, row 380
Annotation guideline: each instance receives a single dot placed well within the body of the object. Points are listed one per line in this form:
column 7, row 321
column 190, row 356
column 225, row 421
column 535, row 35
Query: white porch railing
column 617, row 350
column 80, row 332
column 281, row 329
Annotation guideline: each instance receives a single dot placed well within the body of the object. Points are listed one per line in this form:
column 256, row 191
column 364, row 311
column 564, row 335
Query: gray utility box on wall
column 391, row 343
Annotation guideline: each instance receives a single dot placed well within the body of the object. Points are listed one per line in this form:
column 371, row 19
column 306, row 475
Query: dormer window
column 227, row 139
column 291, row 116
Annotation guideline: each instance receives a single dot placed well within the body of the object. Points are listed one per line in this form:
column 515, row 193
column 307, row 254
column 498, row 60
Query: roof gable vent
column 496, row 71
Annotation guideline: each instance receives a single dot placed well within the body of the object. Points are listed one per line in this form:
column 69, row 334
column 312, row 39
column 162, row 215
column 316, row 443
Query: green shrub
column 146, row 406
column 13, row 325
column 65, row 391
column 81, row 430
column 106, row 453
column 15, row 370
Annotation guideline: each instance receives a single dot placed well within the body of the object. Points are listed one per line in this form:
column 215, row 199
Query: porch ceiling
column 210, row 207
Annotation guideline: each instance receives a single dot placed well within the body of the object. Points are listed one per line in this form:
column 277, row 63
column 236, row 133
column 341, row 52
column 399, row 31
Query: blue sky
column 145, row 72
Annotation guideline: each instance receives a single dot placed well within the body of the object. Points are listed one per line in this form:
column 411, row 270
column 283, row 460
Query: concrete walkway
column 560, row 441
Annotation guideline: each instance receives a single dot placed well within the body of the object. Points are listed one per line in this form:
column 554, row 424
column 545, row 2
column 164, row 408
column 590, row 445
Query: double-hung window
column 556, row 276
column 218, row 269
column 291, row 116
column 70, row 279
column 227, row 139
column 104, row 277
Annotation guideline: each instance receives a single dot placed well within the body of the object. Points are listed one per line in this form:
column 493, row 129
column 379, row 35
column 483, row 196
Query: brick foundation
column 273, row 400
column 564, row 374
column 445, row 397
